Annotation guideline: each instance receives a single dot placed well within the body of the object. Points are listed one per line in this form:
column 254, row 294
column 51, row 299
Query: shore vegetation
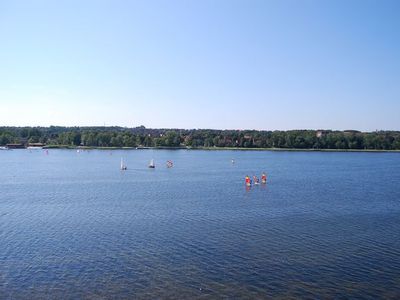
column 141, row 137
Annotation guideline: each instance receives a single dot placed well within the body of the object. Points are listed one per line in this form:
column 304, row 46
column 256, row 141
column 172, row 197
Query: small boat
column 3, row 148
column 151, row 164
column 123, row 166
column 170, row 164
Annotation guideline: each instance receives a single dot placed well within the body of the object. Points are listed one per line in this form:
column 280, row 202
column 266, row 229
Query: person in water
column 256, row 180
column 247, row 180
column 264, row 178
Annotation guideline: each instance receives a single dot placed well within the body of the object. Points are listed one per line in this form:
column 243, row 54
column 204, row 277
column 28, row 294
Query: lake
column 72, row 225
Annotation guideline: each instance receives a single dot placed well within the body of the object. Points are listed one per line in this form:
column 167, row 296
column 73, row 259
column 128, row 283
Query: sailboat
column 152, row 165
column 123, row 166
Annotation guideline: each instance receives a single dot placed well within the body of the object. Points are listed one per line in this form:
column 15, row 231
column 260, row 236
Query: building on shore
column 15, row 146
column 36, row 145
column 321, row 133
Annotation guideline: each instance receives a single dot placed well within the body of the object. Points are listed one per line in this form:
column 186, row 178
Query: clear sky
column 201, row 64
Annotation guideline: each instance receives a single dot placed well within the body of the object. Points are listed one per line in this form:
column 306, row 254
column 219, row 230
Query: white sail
column 151, row 165
column 123, row 166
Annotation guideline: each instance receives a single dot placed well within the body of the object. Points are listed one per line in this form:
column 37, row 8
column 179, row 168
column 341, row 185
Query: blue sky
column 201, row 64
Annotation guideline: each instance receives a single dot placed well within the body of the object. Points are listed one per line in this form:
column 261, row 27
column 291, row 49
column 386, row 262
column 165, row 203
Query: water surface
column 72, row 225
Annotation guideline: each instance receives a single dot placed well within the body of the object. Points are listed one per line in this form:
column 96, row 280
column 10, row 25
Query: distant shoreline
column 207, row 139
column 215, row 149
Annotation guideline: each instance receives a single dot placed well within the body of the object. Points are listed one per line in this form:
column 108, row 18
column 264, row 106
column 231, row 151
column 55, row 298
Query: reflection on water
column 72, row 225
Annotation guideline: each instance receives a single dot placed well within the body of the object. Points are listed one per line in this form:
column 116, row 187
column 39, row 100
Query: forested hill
column 141, row 136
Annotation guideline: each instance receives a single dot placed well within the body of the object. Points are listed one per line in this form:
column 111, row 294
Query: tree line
column 145, row 137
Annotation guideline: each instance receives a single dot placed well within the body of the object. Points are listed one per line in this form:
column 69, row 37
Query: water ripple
column 76, row 227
